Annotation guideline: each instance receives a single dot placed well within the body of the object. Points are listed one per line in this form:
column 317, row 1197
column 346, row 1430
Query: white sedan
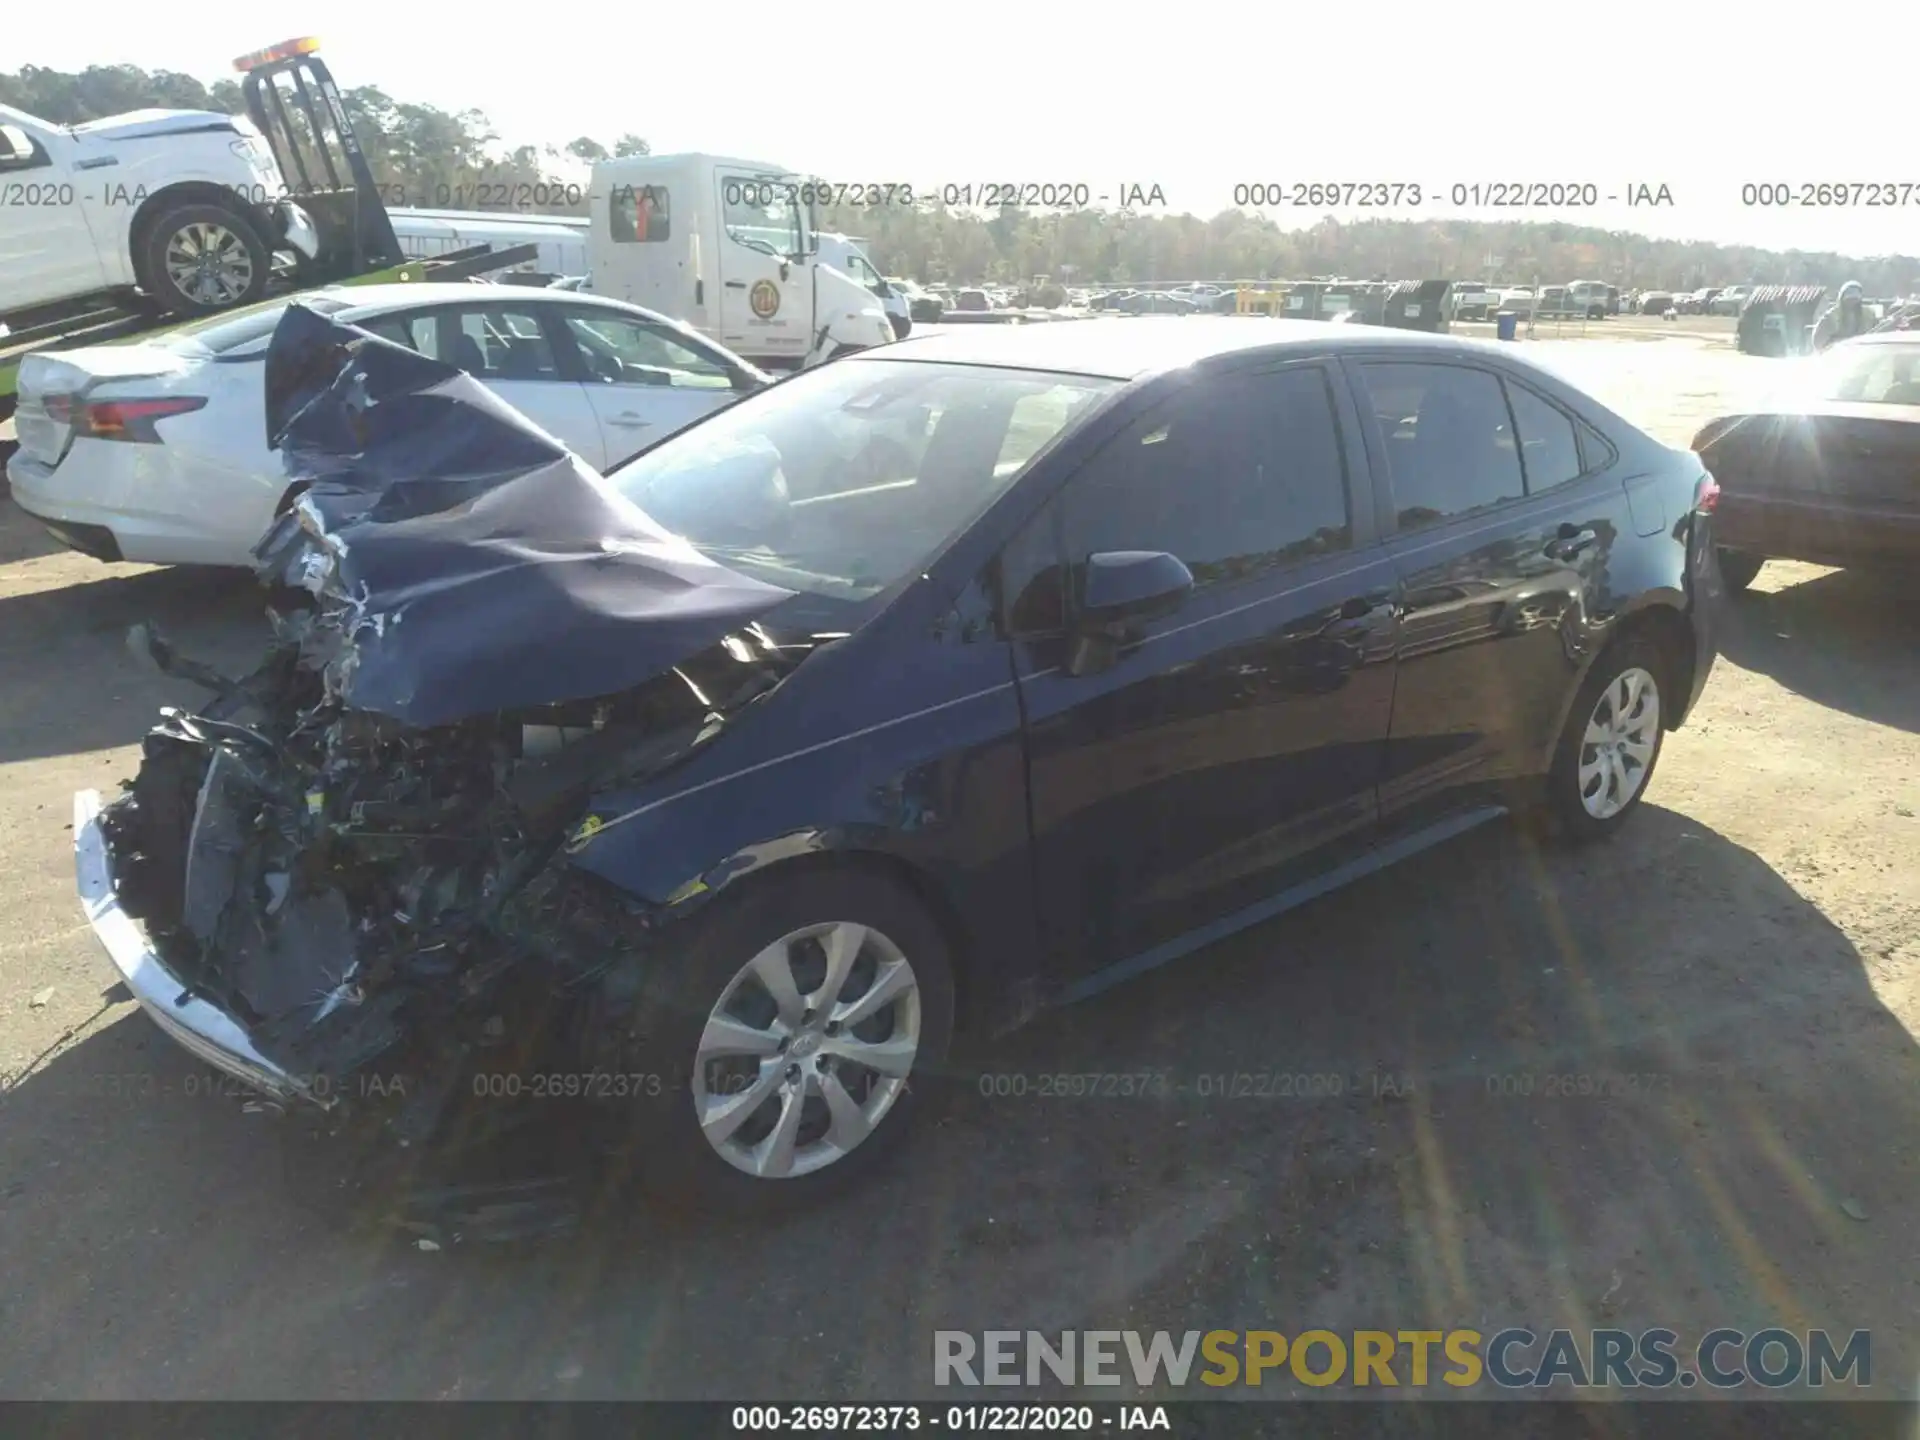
column 157, row 451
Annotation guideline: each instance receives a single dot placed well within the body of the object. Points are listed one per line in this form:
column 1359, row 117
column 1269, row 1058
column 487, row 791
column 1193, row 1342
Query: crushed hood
column 468, row 561
column 151, row 124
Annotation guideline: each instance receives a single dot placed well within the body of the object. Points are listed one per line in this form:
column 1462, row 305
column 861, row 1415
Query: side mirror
column 14, row 143
column 745, row 382
column 1119, row 590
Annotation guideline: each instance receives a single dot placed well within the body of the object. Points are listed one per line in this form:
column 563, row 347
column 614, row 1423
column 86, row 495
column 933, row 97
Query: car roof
column 405, row 296
column 1125, row 349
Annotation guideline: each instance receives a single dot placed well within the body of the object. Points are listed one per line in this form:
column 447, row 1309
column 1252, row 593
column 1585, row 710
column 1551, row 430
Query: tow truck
column 292, row 100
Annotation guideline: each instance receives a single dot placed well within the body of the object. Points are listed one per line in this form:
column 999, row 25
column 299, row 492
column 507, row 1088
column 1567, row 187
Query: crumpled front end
column 356, row 854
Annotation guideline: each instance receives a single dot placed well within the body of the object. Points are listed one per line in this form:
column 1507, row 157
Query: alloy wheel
column 208, row 263
column 807, row 1049
column 1618, row 744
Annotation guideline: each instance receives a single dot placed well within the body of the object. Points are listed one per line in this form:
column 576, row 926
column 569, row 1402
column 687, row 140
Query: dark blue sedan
column 914, row 693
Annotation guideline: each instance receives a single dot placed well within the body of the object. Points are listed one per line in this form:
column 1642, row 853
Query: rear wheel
column 798, row 1035
column 198, row 259
column 1611, row 743
column 1738, row 569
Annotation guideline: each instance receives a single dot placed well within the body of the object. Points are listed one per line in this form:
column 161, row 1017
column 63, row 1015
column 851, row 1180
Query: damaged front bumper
column 201, row 1028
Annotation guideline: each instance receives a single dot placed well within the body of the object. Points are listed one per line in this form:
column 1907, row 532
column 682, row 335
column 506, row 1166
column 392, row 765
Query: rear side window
column 502, row 343
column 1448, row 439
column 639, row 215
column 418, row 333
column 1549, row 447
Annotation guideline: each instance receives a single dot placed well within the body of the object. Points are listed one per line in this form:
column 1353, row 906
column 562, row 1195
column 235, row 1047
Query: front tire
column 1607, row 753
column 199, row 259
column 1738, row 569
column 798, row 1032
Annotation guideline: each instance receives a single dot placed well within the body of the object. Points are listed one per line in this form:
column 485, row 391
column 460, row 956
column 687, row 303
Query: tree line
column 421, row 154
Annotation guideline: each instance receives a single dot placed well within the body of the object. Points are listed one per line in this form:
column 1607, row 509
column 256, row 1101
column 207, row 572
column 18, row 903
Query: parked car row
column 766, row 761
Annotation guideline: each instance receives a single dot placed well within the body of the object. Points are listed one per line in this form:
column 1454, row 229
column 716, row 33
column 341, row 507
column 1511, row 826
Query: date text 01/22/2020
column 895, row 1419
column 1457, row 195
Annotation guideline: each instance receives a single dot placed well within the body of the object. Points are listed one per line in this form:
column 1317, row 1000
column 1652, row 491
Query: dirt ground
column 1751, row 943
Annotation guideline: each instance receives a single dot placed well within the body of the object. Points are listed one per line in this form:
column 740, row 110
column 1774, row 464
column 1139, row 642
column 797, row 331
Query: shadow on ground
column 1847, row 639
column 70, row 684
column 1632, row 1085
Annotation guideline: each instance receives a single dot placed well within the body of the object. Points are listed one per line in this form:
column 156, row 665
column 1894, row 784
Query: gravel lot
column 1752, row 944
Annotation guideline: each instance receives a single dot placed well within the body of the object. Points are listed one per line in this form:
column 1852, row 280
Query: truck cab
column 729, row 247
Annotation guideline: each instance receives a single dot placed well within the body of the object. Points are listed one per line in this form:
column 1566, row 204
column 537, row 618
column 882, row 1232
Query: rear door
column 1503, row 514
column 644, row 381
column 1236, row 749
column 508, row 348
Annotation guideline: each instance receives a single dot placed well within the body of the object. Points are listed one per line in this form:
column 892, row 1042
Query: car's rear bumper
column 1817, row 529
column 69, row 499
column 201, row 1028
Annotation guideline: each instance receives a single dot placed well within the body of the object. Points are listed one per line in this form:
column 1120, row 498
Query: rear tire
column 200, row 258
column 1738, row 569
column 1611, row 744
column 708, row 985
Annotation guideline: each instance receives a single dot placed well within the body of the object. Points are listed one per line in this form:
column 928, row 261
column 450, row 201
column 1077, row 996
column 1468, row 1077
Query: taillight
column 1706, row 495
column 134, row 420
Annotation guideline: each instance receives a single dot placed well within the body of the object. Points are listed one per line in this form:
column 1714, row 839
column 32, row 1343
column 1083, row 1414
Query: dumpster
column 1776, row 319
column 1506, row 325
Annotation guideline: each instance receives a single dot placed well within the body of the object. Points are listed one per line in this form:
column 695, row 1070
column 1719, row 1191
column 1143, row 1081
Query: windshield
column 244, row 332
column 843, row 480
column 1867, row 375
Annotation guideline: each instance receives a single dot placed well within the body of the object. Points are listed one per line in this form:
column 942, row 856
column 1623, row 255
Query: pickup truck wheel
column 800, row 1032
column 199, row 259
column 1738, row 569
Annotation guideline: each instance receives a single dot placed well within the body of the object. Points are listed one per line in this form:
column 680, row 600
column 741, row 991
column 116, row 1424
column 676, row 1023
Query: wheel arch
column 1666, row 627
column 786, row 861
column 184, row 192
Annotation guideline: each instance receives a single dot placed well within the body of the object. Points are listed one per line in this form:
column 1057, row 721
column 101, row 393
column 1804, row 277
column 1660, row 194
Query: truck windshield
column 763, row 212
column 843, row 480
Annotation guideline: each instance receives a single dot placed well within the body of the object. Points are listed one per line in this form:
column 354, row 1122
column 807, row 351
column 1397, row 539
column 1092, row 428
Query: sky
column 1704, row 99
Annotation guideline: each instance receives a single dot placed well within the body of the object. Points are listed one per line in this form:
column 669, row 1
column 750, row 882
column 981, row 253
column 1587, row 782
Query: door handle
column 630, row 420
column 736, row 284
column 1570, row 542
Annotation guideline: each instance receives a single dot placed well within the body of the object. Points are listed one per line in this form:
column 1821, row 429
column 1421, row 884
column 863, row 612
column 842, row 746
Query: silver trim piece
column 202, row 1029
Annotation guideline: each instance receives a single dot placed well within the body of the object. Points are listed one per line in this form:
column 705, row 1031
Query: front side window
column 1447, row 437
column 1236, row 476
column 622, row 351
column 639, row 215
column 843, row 480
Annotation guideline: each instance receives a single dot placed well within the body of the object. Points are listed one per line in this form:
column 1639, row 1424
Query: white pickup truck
column 186, row 205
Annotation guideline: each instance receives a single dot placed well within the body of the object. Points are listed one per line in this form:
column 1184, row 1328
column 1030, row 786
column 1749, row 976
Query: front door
column 643, row 381
column 766, row 294
column 1237, row 748
column 1506, row 518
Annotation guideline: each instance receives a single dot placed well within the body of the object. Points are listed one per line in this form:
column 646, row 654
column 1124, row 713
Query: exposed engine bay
column 357, row 852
